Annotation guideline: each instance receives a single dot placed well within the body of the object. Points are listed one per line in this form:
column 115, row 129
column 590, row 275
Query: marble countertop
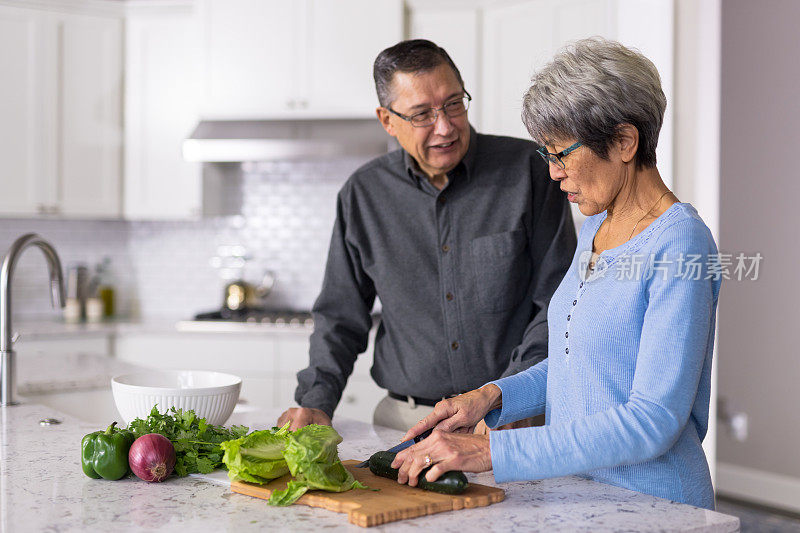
column 43, row 488
column 35, row 330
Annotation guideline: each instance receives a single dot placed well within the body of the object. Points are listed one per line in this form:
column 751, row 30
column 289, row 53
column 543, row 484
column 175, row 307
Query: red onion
column 152, row 457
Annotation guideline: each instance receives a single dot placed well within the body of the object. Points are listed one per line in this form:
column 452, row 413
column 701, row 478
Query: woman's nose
column 556, row 172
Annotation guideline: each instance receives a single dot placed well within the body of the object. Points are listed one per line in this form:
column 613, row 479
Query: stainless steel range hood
column 217, row 141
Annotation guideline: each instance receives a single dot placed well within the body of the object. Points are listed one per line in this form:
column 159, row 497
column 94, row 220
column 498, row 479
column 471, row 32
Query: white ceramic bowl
column 212, row 395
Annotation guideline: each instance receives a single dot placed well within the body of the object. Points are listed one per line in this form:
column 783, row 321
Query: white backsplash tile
column 164, row 269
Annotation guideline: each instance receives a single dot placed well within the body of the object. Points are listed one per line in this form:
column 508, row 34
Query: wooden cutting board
column 392, row 502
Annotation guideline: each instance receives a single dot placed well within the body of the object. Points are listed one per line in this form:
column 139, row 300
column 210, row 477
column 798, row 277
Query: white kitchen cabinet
column 70, row 344
column 23, row 109
column 90, row 116
column 267, row 362
column 359, row 397
column 306, row 58
column 520, row 38
column 498, row 45
column 163, row 62
column 456, row 27
column 343, row 38
column 251, row 57
column 61, row 131
column 255, row 355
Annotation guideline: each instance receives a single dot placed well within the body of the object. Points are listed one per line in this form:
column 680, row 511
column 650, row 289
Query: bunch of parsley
column 196, row 442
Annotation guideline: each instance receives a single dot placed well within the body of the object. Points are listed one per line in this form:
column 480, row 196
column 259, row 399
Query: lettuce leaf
column 257, row 457
column 313, row 459
column 294, row 489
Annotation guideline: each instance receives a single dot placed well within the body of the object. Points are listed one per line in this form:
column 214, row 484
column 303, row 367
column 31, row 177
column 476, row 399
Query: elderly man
column 462, row 236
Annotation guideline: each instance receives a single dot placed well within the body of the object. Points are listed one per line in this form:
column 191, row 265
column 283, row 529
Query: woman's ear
column 627, row 142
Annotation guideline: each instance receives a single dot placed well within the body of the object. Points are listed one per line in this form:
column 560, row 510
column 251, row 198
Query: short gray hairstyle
column 412, row 56
column 589, row 89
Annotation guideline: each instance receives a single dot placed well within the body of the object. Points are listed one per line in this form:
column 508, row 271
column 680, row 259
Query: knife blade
column 402, row 446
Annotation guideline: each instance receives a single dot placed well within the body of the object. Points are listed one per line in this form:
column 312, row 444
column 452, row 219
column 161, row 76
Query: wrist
column 493, row 396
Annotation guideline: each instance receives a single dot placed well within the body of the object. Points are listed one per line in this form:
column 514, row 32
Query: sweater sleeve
column 677, row 329
column 523, row 396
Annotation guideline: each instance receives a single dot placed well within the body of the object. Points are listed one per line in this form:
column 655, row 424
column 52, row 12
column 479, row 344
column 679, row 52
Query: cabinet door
column 456, row 29
column 90, row 123
column 292, row 358
column 251, row 57
column 96, row 344
column 162, row 65
column 24, row 153
column 520, row 38
column 343, row 39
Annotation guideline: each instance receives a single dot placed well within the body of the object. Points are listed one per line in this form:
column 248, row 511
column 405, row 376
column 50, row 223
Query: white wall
column 696, row 137
column 759, row 367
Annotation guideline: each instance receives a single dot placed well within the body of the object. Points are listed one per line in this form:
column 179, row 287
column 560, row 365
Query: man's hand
column 460, row 414
column 303, row 416
column 446, row 451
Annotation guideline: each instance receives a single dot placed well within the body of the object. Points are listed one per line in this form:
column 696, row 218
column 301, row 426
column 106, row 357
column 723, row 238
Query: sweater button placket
column 569, row 318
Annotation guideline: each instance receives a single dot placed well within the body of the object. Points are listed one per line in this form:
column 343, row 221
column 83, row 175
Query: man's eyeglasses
column 454, row 108
column 556, row 159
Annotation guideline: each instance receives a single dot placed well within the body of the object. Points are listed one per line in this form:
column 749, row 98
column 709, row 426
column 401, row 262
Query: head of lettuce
column 310, row 454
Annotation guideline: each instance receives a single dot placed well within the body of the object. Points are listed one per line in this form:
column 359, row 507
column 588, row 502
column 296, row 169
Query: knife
column 402, row 446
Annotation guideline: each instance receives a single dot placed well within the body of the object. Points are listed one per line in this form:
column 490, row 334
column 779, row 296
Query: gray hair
column 416, row 55
column 588, row 90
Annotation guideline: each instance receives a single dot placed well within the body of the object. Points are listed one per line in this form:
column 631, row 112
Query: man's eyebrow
column 428, row 106
column 420, row 106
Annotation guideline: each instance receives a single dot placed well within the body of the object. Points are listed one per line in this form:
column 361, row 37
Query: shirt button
column 442, row 200
column 574, row 303
column 568, row 317
column 566, row 334
column 567, row 350
column 449, row 296
column 581, row 285
column 445, row 248
column 454, row 345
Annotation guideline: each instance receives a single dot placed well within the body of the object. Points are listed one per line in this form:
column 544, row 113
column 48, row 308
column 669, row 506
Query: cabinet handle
column 41, row 209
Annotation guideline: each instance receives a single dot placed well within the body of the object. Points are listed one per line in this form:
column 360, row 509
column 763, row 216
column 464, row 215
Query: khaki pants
column 399, row 415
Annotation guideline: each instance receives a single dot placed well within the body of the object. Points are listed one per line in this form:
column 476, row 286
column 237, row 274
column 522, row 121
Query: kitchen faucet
column 7, row 368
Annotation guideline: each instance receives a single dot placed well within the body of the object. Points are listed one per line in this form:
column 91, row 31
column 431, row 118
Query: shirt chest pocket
column 502, row 269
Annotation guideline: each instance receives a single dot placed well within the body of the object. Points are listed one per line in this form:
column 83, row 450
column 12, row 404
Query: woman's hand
column 445, row 451
column 460, row 414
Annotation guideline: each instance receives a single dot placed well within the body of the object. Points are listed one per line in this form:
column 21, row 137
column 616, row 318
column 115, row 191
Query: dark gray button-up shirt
column 464, row 274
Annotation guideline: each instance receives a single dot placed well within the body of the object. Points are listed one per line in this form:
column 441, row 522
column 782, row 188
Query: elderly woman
column 625, row 388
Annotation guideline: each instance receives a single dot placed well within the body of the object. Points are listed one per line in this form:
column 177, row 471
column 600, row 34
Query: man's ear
column 627, row 142
column 383, row 117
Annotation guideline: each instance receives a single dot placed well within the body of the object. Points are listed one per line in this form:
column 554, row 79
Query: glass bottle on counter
column 105, row 287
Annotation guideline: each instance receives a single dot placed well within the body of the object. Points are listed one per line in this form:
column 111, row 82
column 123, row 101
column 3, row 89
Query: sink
column 92, row 406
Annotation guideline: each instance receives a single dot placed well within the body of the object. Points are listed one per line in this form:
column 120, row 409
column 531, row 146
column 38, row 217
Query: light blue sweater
column 626, row 385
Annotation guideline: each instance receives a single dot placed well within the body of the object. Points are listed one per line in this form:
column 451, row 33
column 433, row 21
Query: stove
column 259, row 316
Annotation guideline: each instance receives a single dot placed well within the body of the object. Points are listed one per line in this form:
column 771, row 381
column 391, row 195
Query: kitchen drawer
column 252, row 355
column 359, row 400
column 94, row 345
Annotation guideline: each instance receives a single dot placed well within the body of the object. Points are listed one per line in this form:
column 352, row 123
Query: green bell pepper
column 105, row 453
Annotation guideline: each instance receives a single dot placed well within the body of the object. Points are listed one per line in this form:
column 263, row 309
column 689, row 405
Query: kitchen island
column 43, row 488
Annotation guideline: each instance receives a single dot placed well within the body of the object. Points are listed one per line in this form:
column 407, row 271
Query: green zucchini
column 453, row 482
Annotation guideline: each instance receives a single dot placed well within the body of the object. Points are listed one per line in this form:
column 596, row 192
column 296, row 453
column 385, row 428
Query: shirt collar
column 414, row 172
